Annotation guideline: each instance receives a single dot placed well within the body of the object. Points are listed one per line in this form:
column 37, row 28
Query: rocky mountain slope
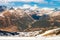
column 22, row 20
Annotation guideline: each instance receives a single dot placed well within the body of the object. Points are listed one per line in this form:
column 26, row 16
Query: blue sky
column 39, row 3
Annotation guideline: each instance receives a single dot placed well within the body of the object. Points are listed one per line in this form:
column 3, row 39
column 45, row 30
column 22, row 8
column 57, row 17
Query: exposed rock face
column 54, row 13
column 13, row 20
column 10, row 28
column 21, row 20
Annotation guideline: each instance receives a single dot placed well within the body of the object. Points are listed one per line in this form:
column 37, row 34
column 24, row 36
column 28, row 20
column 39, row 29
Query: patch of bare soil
column 9, row 29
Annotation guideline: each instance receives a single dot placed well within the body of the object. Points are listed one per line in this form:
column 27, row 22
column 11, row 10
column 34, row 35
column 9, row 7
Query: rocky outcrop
column 12, row 18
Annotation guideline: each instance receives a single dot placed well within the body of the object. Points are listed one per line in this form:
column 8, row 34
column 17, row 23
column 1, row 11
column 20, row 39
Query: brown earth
column 10, row 29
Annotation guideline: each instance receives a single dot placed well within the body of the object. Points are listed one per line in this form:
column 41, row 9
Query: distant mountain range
column 24, row 19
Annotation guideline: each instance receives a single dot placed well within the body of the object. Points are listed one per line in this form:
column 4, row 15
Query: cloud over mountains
column 40, row 3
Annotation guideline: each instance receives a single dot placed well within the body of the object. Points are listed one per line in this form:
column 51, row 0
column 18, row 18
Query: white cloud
column 4, row 2
column 27, row 0
column 7, row 2
column 41, row 1
column 26, row 6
